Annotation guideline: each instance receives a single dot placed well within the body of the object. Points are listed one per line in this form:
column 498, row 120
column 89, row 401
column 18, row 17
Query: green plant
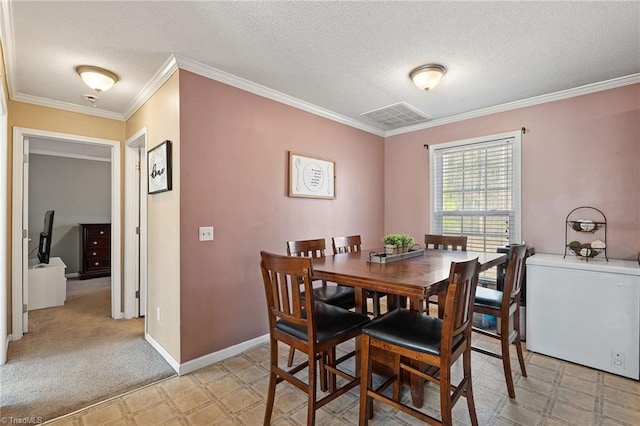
column 405, row 240
column 391, row 240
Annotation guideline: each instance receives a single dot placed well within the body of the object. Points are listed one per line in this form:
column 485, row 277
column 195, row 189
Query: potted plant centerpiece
column 406, row 241
column 391, row 243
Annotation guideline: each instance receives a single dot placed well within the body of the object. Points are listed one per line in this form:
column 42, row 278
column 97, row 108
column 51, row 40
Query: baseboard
column 72, row 275
column 172, row 362
column 205, row 360
column 212, row 358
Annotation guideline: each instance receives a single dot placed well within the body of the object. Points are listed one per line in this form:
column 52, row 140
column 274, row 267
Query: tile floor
column 233, row 392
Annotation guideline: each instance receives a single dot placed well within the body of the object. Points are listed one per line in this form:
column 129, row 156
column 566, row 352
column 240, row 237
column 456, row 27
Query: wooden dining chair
column 443, row 242
column 353, row 244
column 303, row 323
column 505, row 305
column 421, row 338
column 336, row 295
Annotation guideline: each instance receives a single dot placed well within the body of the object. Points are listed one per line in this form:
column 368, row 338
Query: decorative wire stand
column 577, row 224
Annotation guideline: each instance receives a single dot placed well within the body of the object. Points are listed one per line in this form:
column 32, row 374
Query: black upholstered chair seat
column 336, row 295
column 488, row 298
column 331, row 321
column 409, row 329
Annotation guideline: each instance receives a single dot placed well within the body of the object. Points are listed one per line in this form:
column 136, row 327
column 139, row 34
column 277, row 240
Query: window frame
column 516, row 175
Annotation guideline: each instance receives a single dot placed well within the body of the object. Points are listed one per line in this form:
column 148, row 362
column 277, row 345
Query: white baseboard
column 205, row 360
column 72, row 275
column 212, row 358
column 172, row 362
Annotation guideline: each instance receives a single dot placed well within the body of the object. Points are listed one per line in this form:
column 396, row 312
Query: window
column 475, row 190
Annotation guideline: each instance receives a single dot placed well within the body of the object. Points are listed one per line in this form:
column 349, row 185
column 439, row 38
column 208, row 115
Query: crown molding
column 8, row 43
column 536, row 100
column 36, row 100
column 257, row 89
column 159, row 78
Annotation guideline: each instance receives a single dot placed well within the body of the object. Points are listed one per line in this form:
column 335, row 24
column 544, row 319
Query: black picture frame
column 159, row 168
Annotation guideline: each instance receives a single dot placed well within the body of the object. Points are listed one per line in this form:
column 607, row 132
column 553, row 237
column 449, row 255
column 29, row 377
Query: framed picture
column 311, row 177
column 159, row 168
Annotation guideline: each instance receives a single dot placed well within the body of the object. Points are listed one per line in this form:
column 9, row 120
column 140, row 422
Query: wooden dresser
column 95, row 250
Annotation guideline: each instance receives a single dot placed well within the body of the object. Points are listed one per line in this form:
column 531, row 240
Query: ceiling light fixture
column 426, row 77
column 96, row 78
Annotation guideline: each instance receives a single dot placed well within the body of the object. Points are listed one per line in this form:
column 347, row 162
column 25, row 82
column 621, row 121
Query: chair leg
column 331, row 355
column 271, row 393
column 468, row 392
column 398, row 373
column 292, row 352
column 445, row 394
column 365, row 381
column 323, row 372
column 506, row 358
column 518, row 341
column 311, row 390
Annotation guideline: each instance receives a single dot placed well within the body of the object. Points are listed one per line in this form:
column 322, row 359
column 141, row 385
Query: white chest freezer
column 585, row 312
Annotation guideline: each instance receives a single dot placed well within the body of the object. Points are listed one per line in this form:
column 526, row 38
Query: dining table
column 411, row 279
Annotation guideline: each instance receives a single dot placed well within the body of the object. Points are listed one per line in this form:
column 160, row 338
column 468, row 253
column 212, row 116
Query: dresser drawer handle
column 95, row 243
column 95, row 253
column 97, row 263
column 101, row 232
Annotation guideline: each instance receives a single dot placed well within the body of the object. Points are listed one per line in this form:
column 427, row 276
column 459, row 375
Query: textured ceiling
column 343, row 58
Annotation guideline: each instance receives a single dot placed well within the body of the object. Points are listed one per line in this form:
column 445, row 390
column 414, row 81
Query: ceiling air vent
column 397, row 115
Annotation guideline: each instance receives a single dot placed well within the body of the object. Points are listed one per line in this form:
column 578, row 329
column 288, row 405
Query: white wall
column 78, row 190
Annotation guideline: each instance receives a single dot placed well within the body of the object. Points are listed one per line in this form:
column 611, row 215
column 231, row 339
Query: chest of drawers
column 95, row 250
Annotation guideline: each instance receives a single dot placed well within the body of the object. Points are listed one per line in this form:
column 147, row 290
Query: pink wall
column 233, row 176
column 579, row 151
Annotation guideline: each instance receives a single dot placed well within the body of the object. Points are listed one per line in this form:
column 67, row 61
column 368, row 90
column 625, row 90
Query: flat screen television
column 44, row 247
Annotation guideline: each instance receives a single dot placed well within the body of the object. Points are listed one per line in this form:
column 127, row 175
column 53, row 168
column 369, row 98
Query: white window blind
column 475, row 188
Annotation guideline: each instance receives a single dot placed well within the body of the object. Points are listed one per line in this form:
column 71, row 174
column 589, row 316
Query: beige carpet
column 76, row 355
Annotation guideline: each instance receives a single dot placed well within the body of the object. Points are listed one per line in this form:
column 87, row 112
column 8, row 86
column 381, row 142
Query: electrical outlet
column 205, row 233
column 158, row 313
column 617, row 359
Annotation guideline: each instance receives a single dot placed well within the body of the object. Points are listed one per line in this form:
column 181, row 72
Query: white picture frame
column 311, row 176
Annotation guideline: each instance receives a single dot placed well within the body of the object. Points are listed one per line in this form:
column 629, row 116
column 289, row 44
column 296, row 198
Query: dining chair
column 313, row 327
column 443, row 242
column 352, row 244
column 505, row 305
column 336, row 295
column 421, row 338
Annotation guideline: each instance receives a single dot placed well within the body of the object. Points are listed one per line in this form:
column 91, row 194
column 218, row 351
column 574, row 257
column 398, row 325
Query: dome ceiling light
column 426, row 77
column 96, row 78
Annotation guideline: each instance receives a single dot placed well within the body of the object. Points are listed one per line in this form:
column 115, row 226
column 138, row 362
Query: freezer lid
column 613, row 266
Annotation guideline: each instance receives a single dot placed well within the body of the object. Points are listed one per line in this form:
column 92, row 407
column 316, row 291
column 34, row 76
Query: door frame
column 18, row 192
column 135, row 214
column 4, row 175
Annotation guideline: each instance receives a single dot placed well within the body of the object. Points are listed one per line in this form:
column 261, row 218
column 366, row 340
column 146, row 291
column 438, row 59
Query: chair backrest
column 515, row 272
column 445, row 242
column 307, row 248
column 285, row 277
column 348, row 244
column 458, row 311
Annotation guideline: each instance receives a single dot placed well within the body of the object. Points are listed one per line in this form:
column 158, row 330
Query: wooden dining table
column 413, row 279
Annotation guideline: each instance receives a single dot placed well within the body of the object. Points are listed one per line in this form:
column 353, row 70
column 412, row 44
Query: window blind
column 473, row 193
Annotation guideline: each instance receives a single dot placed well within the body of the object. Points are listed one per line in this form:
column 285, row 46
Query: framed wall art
column 311, row 177
column 159, row 168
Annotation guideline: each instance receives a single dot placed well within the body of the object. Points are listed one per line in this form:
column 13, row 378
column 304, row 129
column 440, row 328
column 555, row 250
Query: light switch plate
column 205, row 233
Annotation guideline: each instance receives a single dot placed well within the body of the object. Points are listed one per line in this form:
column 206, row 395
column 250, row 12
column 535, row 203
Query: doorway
column 19, row 237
